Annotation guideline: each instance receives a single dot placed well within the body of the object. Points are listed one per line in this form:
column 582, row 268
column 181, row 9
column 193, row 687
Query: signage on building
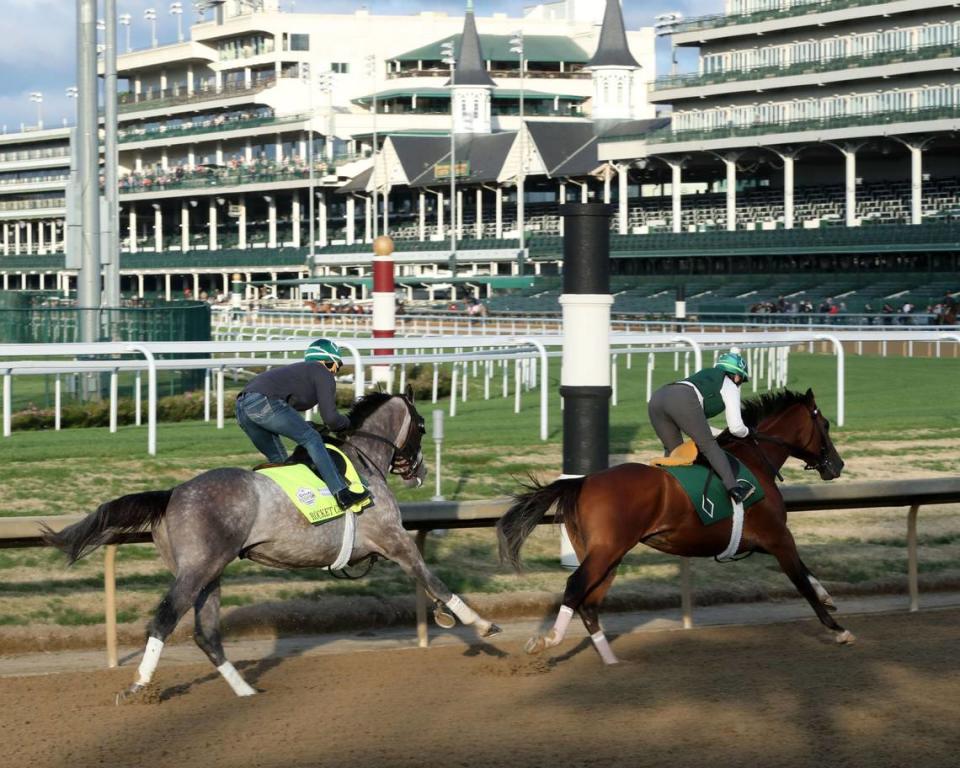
column 233, row 210
column 442, row 170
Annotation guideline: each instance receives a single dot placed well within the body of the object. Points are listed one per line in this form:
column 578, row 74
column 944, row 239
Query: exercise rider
column 685, row 406
column 268, row 408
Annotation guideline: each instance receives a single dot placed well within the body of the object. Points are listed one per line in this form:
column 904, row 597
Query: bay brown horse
column 608, row 513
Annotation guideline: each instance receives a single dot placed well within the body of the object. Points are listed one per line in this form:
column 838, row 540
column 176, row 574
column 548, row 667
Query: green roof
column 497, row 48
column 444, row 93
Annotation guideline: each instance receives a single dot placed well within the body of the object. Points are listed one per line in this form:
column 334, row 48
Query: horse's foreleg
column 206, row 633
column 822, row 593
column 404, row 553
column 790, row 563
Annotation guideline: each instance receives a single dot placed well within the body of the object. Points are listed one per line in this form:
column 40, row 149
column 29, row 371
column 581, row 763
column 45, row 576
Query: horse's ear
column 809, row 395
column 409, row 392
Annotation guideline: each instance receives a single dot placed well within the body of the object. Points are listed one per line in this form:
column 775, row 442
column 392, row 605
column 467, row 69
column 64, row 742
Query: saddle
column 683, row 455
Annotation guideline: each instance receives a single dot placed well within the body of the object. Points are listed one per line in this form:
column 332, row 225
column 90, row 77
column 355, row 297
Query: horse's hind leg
column 401, row 550
column 825, row 600
column 786, row 553
column 207, row 635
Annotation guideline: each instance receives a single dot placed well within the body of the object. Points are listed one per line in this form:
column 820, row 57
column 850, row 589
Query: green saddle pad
column 310, row 494
column 715, row 505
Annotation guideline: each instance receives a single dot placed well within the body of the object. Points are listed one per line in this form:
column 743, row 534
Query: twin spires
column 613, row 67
column 471, row 84
column 612, row 48
column 470, row 69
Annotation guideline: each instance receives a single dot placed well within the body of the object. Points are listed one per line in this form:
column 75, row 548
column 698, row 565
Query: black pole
column 586, row 302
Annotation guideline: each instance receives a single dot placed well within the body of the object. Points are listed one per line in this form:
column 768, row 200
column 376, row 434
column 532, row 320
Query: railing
column 497, row 73
column 129, row 101
column 208, row 126
column 6, row 181
column 29, row 205
column 786, row 9
column 34, row 154
column 424, row 517
column 669, row 135
column 874, row 59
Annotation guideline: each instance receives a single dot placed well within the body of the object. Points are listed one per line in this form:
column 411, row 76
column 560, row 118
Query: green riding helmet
column 732, row 362
column 323, row 351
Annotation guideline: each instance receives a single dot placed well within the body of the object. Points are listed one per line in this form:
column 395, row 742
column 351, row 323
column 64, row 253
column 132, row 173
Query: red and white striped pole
column 384, row 303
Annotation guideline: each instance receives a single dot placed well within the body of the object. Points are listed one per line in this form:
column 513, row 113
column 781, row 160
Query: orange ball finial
column 383, row 245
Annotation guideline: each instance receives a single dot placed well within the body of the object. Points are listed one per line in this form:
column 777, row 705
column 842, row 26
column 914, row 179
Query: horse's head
column 817, row 449
column 394, row 420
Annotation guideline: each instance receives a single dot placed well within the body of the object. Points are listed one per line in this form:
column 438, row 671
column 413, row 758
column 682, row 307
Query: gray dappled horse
column 207, row 522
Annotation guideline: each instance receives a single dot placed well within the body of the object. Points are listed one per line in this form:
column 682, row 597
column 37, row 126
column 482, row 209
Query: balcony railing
column 38, row 179
column 875, row 59
column 34, row 154
column 666, row 135
column 209, row 126
column 29, row 205
column 495, row 73
column 786, row 10
column 129, row 101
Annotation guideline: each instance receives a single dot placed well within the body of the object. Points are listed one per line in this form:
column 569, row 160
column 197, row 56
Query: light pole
column 325, row 85
column 125, row 19
column 449, row 58
column 372, row 72
column 150, row 14
column 37, row 98
column 176, row 9
column 73, row 92
column 308, row 81
column 516, row 46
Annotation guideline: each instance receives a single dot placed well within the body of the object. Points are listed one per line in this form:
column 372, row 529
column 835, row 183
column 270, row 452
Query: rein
column 403, row 459
column 812, row 460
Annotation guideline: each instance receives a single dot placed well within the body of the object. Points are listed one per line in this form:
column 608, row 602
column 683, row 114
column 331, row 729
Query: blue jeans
column 264, row 419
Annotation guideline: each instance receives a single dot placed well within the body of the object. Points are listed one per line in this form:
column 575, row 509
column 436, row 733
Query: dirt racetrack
column 765, row 696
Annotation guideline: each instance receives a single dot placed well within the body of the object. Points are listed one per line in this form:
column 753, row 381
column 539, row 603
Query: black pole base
column 586, row 429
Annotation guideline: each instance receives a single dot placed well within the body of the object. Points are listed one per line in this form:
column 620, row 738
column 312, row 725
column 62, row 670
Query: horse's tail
column 529, row 509
column 109, row 523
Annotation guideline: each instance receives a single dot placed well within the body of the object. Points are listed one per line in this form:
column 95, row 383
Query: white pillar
column 157, row 228
column 498, row 221
column 140, row 284
column 675, row 182
column 16, row 238
column 386, row 211
column 731, row 162
column 478, row 226
column 272, row 222
column 459, row 222
column 41, row 244
column 6, row 239
column 212, row 224
column 623, row 202
column 295, row 216
column 422, row 202
column 440, row 214
column 351, row 219
column 184, row 226
column 322, row 213
column 166, row 287
column 242, row 225
column 850, row 155
column 367, row 219
column 916, row 184
column 29, row 236
column 132, row 229
column 788, row 191
column 607, row 176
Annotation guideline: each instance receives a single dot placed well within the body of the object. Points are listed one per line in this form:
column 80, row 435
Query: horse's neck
column 378, row 423
column 777, row 426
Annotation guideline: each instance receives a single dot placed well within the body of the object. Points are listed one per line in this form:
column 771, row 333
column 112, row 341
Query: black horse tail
column 113, row 519
column 529, row 509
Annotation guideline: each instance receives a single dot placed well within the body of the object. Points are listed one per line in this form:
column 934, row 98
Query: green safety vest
column 708, row 383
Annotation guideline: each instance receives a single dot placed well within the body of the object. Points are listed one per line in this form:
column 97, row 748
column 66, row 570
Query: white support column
column 167, row 290
column 212, row 224
column 478, row 225
column 272, row 221
column 29, row 236
column 386, row 211
column 607, row 177
column 295, row 217
column 140, row 284
column 788, row 186
column 675, row 181
column 459, row 222
column 440, row 215
column 41, row 243
column 242, row 225
column 322, row 213
column 422, row 221
column 623, row 204
column 132, row 228
column 16, row 238
column 498, row 213
column 850, row 181
column 916, row 184
column 6, row 239
column 731, row 162
column 367, row 219
column 351, row 219
column 158, row 228
column 218, row 153
column 184, row 226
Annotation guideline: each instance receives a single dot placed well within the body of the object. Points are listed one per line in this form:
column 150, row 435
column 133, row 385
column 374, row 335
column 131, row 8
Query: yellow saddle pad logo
column 310, row 494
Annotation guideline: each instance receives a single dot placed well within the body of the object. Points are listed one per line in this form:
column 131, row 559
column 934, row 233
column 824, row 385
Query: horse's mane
column 757, row 409
column 364, row 406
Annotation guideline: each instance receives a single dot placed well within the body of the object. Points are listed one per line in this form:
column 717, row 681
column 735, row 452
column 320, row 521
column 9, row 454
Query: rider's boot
column 740, row 492
column 347, row 498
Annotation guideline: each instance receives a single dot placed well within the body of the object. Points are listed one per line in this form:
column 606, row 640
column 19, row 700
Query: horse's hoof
column 443, row 619
column 138, row 694
column 535, row 645
column 492, row 631
column 846, row 638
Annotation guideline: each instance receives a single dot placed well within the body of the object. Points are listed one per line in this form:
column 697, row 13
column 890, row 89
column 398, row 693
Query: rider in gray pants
column 685, row 406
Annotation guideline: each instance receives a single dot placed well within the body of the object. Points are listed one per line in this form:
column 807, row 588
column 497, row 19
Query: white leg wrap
column 148, row 664
column 555, row 636
column 818, row 588
column 461, row 610
column 603, row 648
column 237, row 683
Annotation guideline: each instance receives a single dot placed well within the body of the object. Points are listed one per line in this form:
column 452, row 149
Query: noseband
column 406, row 458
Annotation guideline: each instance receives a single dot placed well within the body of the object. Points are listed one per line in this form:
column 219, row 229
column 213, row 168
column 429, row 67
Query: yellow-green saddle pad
column 310, row 494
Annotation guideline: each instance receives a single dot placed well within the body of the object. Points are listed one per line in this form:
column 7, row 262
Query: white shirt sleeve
column 730, row 393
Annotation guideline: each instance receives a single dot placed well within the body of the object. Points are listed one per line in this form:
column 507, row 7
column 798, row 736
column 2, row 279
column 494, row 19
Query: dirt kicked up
column 776, row 695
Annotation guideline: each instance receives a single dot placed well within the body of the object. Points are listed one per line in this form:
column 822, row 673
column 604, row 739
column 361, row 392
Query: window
column 340, row 67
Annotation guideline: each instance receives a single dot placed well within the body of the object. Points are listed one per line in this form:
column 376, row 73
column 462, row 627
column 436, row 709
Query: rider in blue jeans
column 268, row 408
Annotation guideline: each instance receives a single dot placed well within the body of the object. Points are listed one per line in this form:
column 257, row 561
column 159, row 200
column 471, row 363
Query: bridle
column 406, row 458
column 819, row 462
